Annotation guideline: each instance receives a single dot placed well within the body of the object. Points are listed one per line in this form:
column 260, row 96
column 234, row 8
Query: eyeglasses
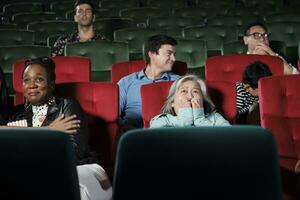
column 259, row 36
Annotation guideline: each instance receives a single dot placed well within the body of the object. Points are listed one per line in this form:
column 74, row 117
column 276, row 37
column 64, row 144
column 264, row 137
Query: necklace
column 39, row 115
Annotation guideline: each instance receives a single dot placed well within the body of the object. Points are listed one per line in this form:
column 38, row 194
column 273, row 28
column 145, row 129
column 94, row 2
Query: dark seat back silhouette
column 39, row 164
column 197, row 163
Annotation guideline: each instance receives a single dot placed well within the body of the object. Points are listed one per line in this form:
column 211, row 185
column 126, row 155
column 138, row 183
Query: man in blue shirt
column 159, row 54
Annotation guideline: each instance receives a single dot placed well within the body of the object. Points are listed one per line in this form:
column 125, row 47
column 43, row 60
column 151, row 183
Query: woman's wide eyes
column 183, row 91
column 40, row 79
column 37, row 79
column 26, row 80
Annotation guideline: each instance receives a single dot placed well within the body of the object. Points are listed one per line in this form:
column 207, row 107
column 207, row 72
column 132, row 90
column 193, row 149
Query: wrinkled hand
column 66, row 124
column 263, row 49
column 197, row 102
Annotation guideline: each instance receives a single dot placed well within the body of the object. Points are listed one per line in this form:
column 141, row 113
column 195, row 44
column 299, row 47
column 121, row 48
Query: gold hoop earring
column 51, row 101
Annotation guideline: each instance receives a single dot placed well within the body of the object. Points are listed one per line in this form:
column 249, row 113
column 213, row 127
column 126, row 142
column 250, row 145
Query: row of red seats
column 77, row 69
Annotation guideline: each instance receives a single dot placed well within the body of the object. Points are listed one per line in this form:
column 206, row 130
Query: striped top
column 244, row 100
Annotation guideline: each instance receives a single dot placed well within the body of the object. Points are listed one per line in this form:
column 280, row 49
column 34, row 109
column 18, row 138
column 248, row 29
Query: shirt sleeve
column 184, row 118
column 58, row 48
column 122, row 96
column 240, row 99
column 161, row 120
column 294, row 70
column 214, row 119
column 80, row 138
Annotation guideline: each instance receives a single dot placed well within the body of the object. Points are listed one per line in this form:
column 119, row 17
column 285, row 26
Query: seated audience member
column 247, row 93
column 188, row 104
column 85, row 17
column 4, row 105
column 42, row 109
column 256, row 38
column 159, row 54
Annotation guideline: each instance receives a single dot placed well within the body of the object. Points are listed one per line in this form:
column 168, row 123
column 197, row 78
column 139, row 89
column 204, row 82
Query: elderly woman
column 42, row 109
column 188, row 105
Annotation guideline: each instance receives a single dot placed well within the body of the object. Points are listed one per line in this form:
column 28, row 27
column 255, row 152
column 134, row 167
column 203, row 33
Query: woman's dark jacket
column 68, row 107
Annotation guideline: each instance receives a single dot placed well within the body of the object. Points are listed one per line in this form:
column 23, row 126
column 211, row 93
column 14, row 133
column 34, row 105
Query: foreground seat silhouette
column 197, row 163
column 37, row 164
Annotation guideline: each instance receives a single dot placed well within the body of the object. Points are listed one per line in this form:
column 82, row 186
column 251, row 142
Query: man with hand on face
column 85, row 17
column 256, row 38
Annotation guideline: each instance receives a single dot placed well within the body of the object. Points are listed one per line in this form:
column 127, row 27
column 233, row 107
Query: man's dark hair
column 247, row 29
column 79, row 2
column 254, row 71
column 45, row 62
column 154, row 43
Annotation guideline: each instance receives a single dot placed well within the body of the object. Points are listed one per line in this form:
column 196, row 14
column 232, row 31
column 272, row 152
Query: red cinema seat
column 223, row 94
column 154, row 95
column 119, row 70
column 280, row 113
column 99, row 100
column 230, row 67
column 68, row 69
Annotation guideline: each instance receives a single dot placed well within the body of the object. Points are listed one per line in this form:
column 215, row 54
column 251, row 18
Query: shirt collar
column 75, row 36
column 165, row 76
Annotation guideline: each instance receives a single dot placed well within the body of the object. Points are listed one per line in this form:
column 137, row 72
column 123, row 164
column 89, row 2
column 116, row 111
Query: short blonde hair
column 208, row 105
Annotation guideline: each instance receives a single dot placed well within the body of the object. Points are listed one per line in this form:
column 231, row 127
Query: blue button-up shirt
column 130, row 97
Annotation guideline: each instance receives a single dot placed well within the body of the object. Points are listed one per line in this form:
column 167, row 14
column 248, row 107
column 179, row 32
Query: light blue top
column 188, row 117
column 130, row 97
